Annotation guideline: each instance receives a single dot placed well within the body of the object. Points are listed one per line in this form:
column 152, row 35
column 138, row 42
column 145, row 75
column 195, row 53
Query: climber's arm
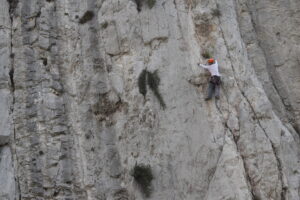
column 204, row 66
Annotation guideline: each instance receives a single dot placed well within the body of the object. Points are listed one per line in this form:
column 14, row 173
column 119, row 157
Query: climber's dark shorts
column 216, row 80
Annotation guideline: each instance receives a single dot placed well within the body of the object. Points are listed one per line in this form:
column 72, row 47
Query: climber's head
column 210, row 61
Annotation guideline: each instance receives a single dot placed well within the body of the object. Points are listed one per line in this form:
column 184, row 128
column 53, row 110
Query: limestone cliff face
column 73, row 123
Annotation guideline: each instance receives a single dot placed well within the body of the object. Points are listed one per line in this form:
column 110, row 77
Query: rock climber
column 214, row 81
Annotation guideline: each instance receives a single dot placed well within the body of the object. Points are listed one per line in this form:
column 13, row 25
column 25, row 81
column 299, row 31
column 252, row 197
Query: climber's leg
column 210, row 91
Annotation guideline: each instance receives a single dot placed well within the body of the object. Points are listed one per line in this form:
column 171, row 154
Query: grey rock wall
column 73, row 123
column 8, row 187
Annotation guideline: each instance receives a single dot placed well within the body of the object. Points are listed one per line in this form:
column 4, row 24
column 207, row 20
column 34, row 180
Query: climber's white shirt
column 213, row 69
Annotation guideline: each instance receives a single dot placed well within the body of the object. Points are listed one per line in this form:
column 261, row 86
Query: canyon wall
column 73, row 123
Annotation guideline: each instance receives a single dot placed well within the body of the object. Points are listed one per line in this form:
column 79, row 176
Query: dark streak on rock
column 12, row 5
column 45, row 61
column 138, row 5
column 11, row 76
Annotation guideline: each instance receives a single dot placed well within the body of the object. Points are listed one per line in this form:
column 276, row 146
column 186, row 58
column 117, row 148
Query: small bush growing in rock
column 88, row 15
column 151, row 3
column 153, row 82
column 216, row 12
column 139, row 3
column 104, row 25
column 142, row 174
column 206, row 55
column 142, row 83
column 45, row 61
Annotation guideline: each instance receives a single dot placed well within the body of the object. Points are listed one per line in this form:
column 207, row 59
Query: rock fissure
column 274, row 150
column 247, row 173
column 12, row 7
column 15, row 165
column 283, row 195
column 11, row 71
column 210, row 178
column 235, row 140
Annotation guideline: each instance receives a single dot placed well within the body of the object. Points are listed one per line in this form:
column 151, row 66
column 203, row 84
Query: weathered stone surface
column 76, row 124
column 8, row 186
column 7, row 183
column 5, row 125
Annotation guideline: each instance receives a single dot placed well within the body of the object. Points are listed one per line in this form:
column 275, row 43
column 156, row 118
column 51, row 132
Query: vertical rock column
column 7, row 182
column 43, row 141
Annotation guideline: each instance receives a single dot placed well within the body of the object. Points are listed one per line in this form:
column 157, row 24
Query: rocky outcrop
column 74, row 123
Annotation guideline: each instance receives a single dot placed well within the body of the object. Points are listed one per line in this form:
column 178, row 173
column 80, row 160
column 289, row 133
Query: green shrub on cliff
column 142, row 174
column 153, row 82
column 87, row 16
column 206, row 54
column 139, row 4
column 151, row 3
column 216, row 12
column 142, row 82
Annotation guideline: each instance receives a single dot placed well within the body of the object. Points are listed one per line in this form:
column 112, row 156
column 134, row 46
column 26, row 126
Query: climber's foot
column 207, row 99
